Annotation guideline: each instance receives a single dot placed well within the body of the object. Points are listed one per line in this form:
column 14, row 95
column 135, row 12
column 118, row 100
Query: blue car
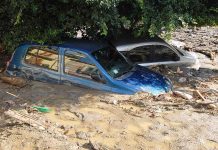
column 86, row 63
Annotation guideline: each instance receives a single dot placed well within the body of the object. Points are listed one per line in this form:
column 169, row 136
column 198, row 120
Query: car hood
column 143, row 79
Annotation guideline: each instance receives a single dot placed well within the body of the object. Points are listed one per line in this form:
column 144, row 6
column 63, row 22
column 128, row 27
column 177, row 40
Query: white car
column 153, row 51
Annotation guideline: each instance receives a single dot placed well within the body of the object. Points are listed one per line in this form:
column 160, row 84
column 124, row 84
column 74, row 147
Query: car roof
column 127, row 43
column 84, row 45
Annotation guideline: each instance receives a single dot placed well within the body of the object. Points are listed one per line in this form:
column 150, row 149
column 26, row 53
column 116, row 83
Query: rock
column 97, row 146
column 78, row 114
column 183, row 95
column 140, row 96
column 182, row 80
column 177, row 43
column 110, row 101
column 41, row 128
column 163, row 97
column 140, row 103
column 82, row 135
column 94, row 145
column 115, row 102
column 212, row 106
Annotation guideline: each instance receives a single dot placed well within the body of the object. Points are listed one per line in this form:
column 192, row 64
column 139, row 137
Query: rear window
column 42, row 57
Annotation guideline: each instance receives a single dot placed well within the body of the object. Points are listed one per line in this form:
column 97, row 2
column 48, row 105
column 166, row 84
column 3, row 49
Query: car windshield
column 112, row 61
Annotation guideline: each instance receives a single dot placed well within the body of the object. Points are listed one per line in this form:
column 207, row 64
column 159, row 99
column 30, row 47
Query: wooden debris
column 16, row 81
column 11, row 94
column 179, row 70
column 183, row 95
column 196, row 92
column 212, row 55
column 25, row 118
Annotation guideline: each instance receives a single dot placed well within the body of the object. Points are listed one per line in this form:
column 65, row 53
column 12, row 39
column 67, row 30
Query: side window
column 31, row 56
column 151, row 53
column 78, row 64
column 43, row 57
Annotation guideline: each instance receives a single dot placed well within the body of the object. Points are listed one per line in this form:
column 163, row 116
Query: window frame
column 43, row 49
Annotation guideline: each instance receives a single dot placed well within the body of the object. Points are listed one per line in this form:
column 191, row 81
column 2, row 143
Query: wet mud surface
column 82, row 118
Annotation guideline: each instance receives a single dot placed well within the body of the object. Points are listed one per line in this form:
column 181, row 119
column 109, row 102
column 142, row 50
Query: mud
column 83, row 118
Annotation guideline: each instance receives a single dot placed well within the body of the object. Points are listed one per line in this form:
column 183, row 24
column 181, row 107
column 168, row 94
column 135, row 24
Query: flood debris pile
column 35, row 115
column 145, row 104
column 201, row 42
column 199, row 39
column 79, row 119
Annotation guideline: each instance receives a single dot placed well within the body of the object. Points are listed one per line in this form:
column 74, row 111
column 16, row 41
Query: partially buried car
column 149, row 51
column 86, row 63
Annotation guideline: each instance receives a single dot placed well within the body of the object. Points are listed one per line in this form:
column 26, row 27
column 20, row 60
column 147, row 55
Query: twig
column 200, row 95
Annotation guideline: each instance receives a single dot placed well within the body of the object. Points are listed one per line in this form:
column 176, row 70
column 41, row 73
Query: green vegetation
column 54, row 21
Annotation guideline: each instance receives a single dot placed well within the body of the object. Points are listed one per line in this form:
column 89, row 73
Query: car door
column 79, row 69
column 42, row 63
column 155, row 54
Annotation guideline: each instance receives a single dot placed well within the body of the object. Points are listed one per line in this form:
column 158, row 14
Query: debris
column 140, row 96
column 197, row 64
column 140, row 103
column 10, row 102
column 1, row 70
column 97, row 146
column 78, row 114
column 42, row 109
column 182, row 80
column 94, row 145
column 82, row 135
column 16, row 81
column 176, row 43
column 183, row 95
column 212, row 55
column 11, row 94
column 163, row 97
column 196, row 92
column 211, row 106
column 110, row 101
column 179, row 70
column 26, row 119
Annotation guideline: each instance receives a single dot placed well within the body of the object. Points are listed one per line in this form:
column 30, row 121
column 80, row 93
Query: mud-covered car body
column 85, row 63
column 153, row 51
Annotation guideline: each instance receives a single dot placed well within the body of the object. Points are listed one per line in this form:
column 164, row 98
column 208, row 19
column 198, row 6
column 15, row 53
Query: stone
column 182, row 80
column 212, row 106
column 183, row 95
column 82, row 135
column 163, row 97
column 97, row 146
